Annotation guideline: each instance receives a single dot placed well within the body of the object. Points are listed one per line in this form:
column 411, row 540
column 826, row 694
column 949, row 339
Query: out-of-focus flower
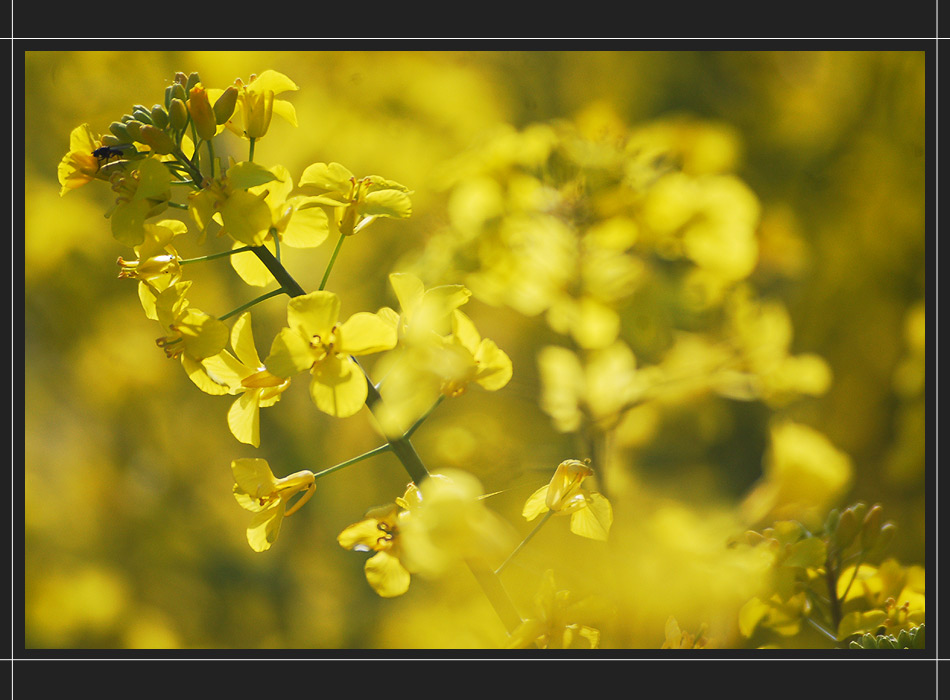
column 598, row 388
column 677, row 638
column 452, row 524
column 246, row 375
column 590, row 511
column 804, row 474
column 556, row 625
column 379, row 532
column 257, row 490
column 317, row 342
column 889, row 596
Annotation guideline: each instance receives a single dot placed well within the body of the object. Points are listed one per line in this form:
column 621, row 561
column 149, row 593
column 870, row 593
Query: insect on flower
column 104, row 153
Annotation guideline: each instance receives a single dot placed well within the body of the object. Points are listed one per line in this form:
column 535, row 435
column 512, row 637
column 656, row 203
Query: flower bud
column 141, row 114
column 831, row 522
column 847, row 528
column 177, row 114
column 132, row 128
column 224, row 105
column 191, row 81
column 178, row 91
column 871, row 528
column 159, row 116
column 201, row 113
column 158, row 140
column 120, row 132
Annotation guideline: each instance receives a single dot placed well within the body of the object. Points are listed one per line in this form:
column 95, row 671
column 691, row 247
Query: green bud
column 142, row 115
column 133, row 128
column 169, row 94
column 871, row 528
column 846, row 529
column 193, row 80
column 180, row 78
column 885, row 536
column 120, row 132
column 126, row 118
column 159, row 116
column 158, row 140
column 831, row 522
column 904, row 639
column 111, row 140
column 177, row 114
column 179, row 92
column 224, row 105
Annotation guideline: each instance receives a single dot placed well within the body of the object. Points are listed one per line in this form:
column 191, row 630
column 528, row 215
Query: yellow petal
column 361, row 536
column 250, row 268
column 387, row 576
column 314, row 313
column 364, row 333
column 338, row 387
column 265, row 526
column 247, row 218
column 242, row 341
column 595, row 520
column 253, row 475
column 534, row 506
column 290, row 353
column 308, row 228
column 244, row 418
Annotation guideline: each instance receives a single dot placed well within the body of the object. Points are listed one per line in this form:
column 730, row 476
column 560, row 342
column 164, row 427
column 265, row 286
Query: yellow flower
column 677, row 638
column 79, row 165
column 451, row 524
column 555, row 626
column 232, row 201
column 379, row 532
column 256, row 104
column 247, row 376
column 189, row 332
column 157, row 264
column 591, row 513
column 296, row 221
column 257, row 490
column 144, row 191
column 359, row 202
column 316, row 341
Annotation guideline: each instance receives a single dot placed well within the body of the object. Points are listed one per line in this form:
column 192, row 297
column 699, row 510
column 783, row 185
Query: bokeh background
column 132, row 538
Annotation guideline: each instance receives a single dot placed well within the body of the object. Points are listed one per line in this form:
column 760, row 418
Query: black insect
column 104, row 153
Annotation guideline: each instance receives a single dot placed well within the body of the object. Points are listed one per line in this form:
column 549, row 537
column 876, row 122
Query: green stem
column 213, row 256
column 419, row 422
column 258, row 300
column 336, row 252
column 544, row 519
column 211, row 155
column 250, row 150
column 366, row 455
column 287, row 283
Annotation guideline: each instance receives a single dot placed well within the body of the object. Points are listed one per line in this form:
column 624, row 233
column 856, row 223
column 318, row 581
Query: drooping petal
column 308, row 228
column 534, row 506
column 494, row 366
column 595, row 520
column 244, row 418
column 338, row 386
column 265, row 526
column 391, row 203
column 386, row 574
column 242, row 341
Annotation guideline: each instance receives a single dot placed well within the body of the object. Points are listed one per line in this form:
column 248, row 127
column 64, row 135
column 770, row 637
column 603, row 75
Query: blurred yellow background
column 132, row 538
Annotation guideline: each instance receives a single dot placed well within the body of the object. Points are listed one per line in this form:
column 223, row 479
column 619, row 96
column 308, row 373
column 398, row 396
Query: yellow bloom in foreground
column 257, row 490
column 677, row 638
column 379, row 532
column 316, row 341
column 247, row 376
column 591, row 513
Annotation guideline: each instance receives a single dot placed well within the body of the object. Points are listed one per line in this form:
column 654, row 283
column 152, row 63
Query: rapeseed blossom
column 257, row 489
column 590, row 511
